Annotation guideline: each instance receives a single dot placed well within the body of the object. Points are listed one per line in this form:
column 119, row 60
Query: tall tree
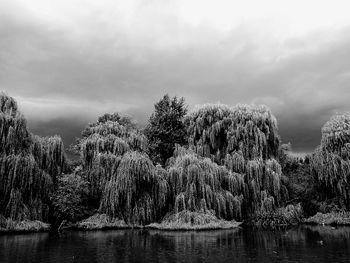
column 103, row 145
column 29, row 166
column 245, row 140
column 166, row 128
column 331, row 160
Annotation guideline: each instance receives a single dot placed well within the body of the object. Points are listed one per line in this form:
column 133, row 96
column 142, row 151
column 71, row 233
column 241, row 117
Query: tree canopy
column 217, row 160
column 165, row 128
column 245, row 140
column 29, row 166
column 331, row 160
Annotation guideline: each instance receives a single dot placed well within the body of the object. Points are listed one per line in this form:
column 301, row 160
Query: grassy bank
column 333, row 218
column 281, row 217
column 11, row 226
column 100, row 221
column 187, row 220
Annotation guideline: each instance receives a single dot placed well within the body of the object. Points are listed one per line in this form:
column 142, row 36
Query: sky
column 68, row 61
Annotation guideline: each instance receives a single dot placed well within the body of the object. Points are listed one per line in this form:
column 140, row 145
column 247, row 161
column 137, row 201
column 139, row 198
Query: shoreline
column 101, row 222
column 10, row 226
column 179, row 229
column 331, row 219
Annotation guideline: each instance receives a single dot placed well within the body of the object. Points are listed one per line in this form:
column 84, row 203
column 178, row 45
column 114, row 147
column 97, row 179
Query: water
column 301, row 244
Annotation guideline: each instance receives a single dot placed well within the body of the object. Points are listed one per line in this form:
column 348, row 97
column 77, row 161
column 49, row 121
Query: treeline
column 219, row 160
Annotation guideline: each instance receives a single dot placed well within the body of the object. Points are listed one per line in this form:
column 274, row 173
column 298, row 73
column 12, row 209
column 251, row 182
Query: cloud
column 66, row 64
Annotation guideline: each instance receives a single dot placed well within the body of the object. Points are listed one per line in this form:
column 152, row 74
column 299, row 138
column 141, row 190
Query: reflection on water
column 302, row 244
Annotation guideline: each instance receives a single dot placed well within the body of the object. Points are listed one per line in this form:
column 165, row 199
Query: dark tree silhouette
column 166, row 128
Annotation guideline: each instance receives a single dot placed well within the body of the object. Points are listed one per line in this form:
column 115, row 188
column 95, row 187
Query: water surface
column 301, row 244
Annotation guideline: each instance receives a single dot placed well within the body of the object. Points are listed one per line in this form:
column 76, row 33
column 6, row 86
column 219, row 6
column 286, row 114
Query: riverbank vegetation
column 187, row 220
column 8, row 225
column 100, row 221
column 210, row 167
column 333, row 218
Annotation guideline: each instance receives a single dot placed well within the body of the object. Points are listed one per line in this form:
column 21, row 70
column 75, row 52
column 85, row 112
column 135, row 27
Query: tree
column 331, row 160
column 199, row 184
column 245, row 140
column 301, row 184
column 70, row 198
column 122, row 179
column 102, row 147
column 166, row 128
column 29, row 166
column 136, row 191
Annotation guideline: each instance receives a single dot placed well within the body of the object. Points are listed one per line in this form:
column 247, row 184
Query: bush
column 290, row 215
column 100, row 221
column 189, row 220
column 10, row 225
column 334, row 218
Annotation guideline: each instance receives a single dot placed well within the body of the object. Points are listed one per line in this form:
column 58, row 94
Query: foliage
column 245, row 140
column 9, row 225
column 284, row 216
column 29, row 166
column 331, row 160
column 166, row 128
column 102, row 147
column 122, row 178
column 198, row 184
column 100, row 221
column 70, row 198
column 216, row 130
column 189, row 220
column 49, row 155
column 334, row 218
column 300, row 182
column 137, row 191
column 115, row 117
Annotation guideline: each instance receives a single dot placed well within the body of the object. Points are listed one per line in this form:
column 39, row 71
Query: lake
column 300, row 244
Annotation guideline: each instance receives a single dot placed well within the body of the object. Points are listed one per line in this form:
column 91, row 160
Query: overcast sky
column 66, row 62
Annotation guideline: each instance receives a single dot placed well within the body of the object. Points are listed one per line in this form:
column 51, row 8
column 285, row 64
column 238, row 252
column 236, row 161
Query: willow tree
column 28, row 165
column 331, row 160
column 102, row 146
column 137, row 191
column 245, row 140
column 122, row 178
column 198, row 184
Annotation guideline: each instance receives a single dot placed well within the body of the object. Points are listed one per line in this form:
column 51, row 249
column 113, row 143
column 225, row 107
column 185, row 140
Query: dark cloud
column 67, row 128
column 63, row 80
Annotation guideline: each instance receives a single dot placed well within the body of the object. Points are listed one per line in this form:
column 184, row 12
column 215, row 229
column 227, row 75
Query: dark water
column 302, row 244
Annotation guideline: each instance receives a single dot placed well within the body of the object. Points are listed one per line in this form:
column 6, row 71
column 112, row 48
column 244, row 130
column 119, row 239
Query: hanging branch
column 136, row 192
column 245, row 140
column 28, row 166
column 331, row 160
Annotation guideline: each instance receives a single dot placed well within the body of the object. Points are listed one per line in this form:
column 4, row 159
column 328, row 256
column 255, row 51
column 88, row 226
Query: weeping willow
column 244, row 139
column 198, row 184
column 216, row 129
column 331, row 160
column 207, row 129
column 253, row 131
column 137, row 191
column 28, row 166
column 49, row 155
column 102, row 147
column 121, row 176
